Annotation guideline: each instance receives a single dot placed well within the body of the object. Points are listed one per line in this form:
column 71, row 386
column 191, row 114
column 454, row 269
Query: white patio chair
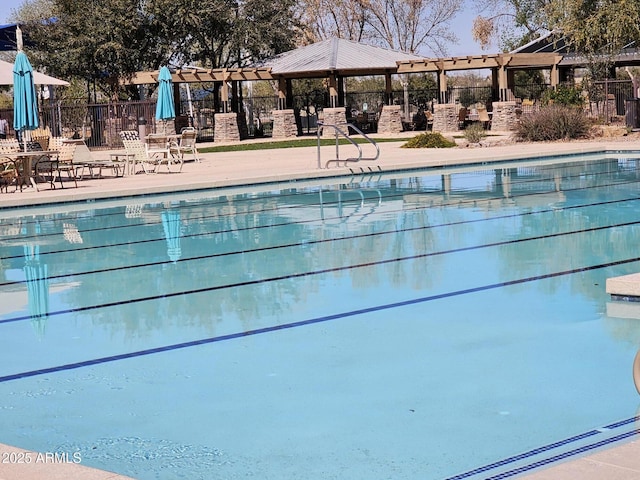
column 186, row 144
column 140, row 155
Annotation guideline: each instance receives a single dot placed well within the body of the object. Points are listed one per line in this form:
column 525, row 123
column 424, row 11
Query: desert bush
column 475, row 133
column 429, row 140
column 555, row 122
column 569, row 95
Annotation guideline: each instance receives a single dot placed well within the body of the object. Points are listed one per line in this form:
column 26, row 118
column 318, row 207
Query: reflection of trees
column 225, row 230
column 567, row 252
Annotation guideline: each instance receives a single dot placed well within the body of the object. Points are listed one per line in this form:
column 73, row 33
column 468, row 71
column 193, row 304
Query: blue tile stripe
column 355, row 266
column 285, row 326
column 333, row 270
column 549, row 447
column 313, row 242
column 457, row 202
column 565, row 455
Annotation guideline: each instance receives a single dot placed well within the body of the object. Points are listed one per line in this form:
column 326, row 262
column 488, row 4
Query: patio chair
column 9, row 146
column 62, row 163
column 41, row 136
column 185, row 145
column 85, row 163
column 429, row 116
column 462, row 118
column 485, row 118
column 140, row 155
column 157, row 144
column 8, row 174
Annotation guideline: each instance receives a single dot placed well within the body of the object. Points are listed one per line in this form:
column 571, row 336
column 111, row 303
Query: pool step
column 624, row 288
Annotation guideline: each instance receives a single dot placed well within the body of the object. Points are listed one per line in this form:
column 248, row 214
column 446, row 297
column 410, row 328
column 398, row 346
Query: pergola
column 502, row 66
column 335, row 59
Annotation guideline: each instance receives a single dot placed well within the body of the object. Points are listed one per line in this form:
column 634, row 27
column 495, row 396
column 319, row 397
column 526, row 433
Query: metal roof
column 551, row 42
column 336, row 55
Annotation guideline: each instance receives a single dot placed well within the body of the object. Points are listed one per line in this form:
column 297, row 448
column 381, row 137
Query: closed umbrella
column 165, row 108
column 25, row 101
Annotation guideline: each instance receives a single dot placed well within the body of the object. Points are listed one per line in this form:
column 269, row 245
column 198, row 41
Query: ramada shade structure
column 336, row 58
column 332, row 59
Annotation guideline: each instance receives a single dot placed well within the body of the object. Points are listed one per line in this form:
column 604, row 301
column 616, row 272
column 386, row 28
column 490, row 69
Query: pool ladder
column 338, row 128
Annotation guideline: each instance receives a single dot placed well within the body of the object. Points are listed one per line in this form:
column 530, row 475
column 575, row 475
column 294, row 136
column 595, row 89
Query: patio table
column 27, row 163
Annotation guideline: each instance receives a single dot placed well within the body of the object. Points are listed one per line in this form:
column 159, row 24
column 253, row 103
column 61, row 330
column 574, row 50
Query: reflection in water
column 409, row 233
column 172, row 232
column 37, row 288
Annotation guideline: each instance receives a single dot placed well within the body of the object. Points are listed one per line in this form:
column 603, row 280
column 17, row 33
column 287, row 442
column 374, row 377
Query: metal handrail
column 339, row 132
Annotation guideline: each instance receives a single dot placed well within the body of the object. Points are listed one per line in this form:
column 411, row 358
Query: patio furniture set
column 44, row 159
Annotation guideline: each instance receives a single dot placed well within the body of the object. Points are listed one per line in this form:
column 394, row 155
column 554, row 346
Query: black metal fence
column 101, row 124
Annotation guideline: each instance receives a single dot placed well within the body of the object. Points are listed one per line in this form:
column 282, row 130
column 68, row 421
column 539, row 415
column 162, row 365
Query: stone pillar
column 504, row 117
column 226, row 127
column 165, row 126
column 284, row 124
column 390, row 120
column 334, row 116
column 445, row 117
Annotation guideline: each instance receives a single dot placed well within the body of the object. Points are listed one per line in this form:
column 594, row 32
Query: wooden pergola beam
column 203, row 76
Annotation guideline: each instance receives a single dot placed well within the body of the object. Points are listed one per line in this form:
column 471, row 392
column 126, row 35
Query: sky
column 462, row 27
column 7, row 6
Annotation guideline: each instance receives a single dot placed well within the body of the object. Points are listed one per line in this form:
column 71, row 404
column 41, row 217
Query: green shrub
column 429, row 140
column 475, row 133
column 555, row 122
column 563, row 95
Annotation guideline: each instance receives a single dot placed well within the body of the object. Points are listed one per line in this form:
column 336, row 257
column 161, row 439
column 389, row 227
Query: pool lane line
column 538, row 450
column 327, row 270
column 280, row 208
column 285, row 326
column 563, row 456
column 302, row 274
column 428, row 172
column 292, row 245
column 257, row 227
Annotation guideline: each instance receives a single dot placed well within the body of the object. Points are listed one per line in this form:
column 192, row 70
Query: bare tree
column 417, row 26
column 328, row 18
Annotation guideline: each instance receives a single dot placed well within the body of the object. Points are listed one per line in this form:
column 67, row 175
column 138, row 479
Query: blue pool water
column 449, row 323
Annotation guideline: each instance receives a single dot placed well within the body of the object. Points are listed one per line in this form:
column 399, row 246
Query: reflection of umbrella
column 37, row 288
column 172, row 232
column 25, row 104
column 165, row 109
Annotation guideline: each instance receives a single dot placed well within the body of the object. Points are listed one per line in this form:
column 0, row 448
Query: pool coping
column 236, row 170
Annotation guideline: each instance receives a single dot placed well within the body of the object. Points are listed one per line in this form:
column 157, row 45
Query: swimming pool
column 447, row 323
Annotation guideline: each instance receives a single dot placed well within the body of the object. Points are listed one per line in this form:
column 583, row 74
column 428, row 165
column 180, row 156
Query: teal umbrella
column 165, row 109
column 25, row 101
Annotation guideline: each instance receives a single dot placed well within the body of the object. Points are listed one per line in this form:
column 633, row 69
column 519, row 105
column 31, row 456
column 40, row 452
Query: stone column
column 226, row 127
column 504, row 117
column 445, row 117
column 165, row 126
column 334, row 116
column 390, row 120
column 284, row 124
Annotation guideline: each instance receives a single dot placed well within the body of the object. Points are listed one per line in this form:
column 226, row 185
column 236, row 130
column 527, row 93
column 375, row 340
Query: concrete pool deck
column 621, row 462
